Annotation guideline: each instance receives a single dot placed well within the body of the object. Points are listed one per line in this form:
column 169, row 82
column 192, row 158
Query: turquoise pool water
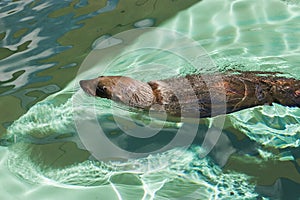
column 47, row 47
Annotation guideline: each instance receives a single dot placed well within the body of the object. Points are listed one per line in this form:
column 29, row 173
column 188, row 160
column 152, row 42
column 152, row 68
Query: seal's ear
column 132, row 92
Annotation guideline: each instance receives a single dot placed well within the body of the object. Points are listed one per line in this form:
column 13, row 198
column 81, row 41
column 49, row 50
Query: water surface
column 257, row 155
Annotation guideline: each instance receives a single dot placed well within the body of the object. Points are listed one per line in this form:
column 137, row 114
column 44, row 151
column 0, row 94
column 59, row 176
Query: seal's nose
column 88, row 86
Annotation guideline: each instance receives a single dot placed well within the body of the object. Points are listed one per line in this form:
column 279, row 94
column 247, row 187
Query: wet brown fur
column 185, row 96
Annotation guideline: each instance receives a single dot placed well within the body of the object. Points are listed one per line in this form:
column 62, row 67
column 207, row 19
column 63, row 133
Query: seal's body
column 209, row 95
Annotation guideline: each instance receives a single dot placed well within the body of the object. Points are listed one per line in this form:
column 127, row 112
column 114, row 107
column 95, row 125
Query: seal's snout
column 89, row 86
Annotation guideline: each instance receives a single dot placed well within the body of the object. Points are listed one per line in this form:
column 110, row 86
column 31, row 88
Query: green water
column 256, row 155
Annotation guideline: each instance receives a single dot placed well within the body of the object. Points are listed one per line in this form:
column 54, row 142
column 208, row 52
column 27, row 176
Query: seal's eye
column 101, row 91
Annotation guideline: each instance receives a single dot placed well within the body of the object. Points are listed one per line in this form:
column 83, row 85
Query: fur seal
column 191, row 94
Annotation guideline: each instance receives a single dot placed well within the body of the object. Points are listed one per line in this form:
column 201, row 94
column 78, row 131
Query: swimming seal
column 191, row 94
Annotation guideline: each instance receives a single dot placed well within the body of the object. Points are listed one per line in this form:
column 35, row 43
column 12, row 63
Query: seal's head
column 120, row 89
